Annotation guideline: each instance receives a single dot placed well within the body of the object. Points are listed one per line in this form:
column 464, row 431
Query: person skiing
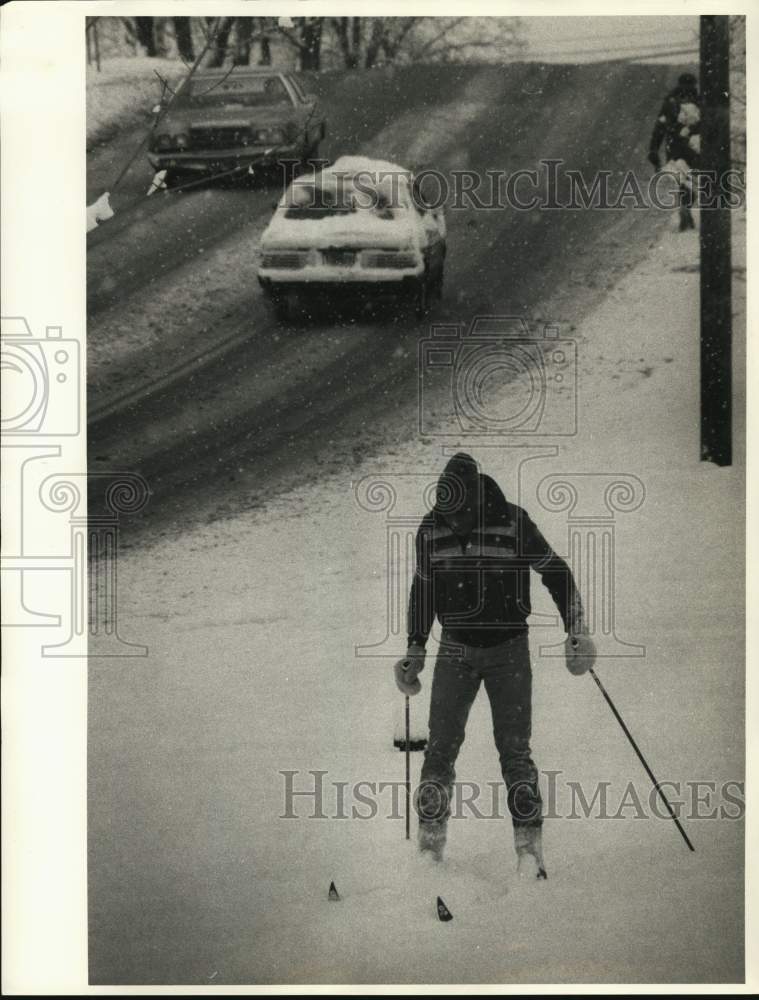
column 679, row 127
column 474, row 552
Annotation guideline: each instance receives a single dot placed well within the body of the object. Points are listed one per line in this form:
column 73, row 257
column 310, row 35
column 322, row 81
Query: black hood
column 686, row 92
column 462, row 474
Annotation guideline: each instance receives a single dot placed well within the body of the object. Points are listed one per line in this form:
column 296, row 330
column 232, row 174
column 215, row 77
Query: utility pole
column 716, row 264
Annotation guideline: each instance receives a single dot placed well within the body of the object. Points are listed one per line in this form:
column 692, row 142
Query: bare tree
column 163, row 33
column 349, row 31
column 367, row 41
column 145, row 31
column 221, row 28
column 183, row 34
column 264, row 58
column 243, row 40
column 305, row 36
column 463, row 39
column 322, row 42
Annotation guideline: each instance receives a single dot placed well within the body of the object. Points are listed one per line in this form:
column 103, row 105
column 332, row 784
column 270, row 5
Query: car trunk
column 358, row 230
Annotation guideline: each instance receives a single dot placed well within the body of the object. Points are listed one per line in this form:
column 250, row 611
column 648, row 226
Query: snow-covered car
column 359, row 227
column 222, row 120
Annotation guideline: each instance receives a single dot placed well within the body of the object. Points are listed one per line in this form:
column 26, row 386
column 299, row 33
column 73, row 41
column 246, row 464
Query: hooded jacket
column 478, row 586
column 679, row 125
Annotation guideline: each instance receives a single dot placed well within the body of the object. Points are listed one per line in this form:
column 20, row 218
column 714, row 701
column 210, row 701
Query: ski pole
column 641, row 758
column 408, row 769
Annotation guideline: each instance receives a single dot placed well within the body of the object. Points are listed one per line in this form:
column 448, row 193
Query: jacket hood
column 461, row 476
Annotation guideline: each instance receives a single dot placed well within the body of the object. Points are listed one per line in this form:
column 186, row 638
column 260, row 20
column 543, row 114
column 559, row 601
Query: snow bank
column 123, row 93
column 99, row 211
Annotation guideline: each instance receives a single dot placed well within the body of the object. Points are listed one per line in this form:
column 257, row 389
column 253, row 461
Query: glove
column 581, row 653
column 407, row 670
column 653, row 159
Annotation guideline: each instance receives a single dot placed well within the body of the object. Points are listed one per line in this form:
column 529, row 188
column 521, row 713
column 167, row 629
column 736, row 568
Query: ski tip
column 334, row 895
column 443, row 913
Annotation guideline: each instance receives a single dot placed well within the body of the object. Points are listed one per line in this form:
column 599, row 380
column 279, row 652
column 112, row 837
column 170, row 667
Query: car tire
column 422, row 297
column 175, row 178
column 281, row 307
column 284, row 306
column 437, row 285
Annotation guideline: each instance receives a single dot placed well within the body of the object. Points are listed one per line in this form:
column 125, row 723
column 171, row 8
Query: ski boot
column 431, row 840
column 528, row 841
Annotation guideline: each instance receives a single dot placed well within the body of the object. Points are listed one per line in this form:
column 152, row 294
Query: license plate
column 340, row 258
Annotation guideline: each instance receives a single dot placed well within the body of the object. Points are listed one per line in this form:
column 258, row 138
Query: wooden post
column 716, row 265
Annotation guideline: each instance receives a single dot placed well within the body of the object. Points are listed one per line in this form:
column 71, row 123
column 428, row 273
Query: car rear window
column 318, row 208
column 248, row 91
column 319, row 201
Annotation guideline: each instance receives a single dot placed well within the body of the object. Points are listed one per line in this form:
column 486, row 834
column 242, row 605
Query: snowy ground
column 122, row 93
column 253, row 625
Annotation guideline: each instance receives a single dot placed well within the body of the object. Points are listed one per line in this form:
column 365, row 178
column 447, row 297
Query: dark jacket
column 479, row 587
column 677, row 135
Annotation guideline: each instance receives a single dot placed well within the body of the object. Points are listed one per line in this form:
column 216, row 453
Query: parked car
column 356, row 228
column 221, row 120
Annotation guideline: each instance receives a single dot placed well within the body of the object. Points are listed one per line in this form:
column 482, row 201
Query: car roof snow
column 357, row 164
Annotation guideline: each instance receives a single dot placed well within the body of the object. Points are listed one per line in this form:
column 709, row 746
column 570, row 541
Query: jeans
column 507, row 674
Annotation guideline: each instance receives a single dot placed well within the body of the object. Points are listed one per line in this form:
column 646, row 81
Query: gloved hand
column 407, row 670
column 653, row 159
column 581, row 653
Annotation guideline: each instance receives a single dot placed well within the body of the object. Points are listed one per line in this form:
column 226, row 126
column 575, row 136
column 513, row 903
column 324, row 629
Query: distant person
column 474, row 553
column 679, row 127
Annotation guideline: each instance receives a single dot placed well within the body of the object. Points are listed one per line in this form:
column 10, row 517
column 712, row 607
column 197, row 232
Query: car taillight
column 290, row 260
column 395, row 259
column 182, row 140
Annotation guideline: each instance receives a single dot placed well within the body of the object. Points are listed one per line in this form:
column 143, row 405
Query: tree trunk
column 159, row 30
column 356, row 39
column 311, row 50
column 145, row 34
column 243, row 34
column 183, row 34
column 265, row 57
column 375, row 42
column 348, row 31
column 130, row 36
column 221, row 42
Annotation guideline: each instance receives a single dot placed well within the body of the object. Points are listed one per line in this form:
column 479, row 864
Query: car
column 219, row 121
column 358, row 228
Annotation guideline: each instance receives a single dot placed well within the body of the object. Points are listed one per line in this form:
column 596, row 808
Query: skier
column 474, row 552
column 678, row 126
